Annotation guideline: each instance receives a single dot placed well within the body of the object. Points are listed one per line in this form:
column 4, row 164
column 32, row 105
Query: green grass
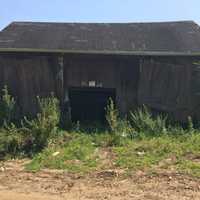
column 149, row 152
column 189, row 167
column 76, row 155
column 80, row 153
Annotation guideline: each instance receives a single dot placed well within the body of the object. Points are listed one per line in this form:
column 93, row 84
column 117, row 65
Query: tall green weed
column 7, row 107
column 144, row 122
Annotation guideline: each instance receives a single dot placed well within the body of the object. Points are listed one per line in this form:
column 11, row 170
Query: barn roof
column 123, row 38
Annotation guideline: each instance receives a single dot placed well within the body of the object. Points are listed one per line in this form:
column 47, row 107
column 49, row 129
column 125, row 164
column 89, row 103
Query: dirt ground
column 18, row 184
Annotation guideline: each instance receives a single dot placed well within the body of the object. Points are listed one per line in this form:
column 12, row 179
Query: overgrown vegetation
column 144, row 123
column 118, row 128
column 76, row 154
column 139, row 141
column 166, row 151
column 32, row 135
column 45, row 125
column 7, row 107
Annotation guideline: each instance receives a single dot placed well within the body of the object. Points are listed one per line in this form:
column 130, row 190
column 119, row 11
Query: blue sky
column 98, row 10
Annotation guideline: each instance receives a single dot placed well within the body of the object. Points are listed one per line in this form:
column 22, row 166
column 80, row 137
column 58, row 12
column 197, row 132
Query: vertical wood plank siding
column 164, row 84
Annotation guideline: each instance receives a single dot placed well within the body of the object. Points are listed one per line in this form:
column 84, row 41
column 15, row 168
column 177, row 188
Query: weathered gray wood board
column 169, row 84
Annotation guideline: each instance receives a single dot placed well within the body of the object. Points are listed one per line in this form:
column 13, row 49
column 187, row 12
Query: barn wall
column 166, row 85
column 169, row 84
column 29, row 75
column 195, row 90
column 26, row 77
column 120, row 73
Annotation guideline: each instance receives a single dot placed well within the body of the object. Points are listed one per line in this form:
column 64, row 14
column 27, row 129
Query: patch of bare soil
column 18, row 184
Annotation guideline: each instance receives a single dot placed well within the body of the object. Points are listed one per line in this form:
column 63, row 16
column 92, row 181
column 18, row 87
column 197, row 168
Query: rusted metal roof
column 166, row 38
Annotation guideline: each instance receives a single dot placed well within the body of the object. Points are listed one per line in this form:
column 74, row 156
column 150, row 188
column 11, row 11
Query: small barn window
column 92, row 83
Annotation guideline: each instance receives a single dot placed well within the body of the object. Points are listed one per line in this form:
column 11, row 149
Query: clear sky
column 98, row 10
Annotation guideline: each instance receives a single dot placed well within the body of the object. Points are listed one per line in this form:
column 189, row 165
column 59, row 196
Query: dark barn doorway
column 88, row 104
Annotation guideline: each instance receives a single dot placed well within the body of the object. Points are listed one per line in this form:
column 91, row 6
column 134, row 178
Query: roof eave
column 106, row 52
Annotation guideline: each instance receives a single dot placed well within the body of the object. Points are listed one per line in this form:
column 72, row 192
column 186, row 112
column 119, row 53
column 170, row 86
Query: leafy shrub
column 45, row 125
column 12, row 140
column 33, row 135
column 143, row 121
column 11, row 137
column 7, row 106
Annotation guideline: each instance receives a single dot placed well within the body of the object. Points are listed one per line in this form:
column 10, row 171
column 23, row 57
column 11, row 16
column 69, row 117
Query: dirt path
column 17, row 184
column 10, row 195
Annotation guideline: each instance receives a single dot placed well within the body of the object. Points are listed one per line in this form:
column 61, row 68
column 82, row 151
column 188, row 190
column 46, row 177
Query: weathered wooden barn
column 85, row 63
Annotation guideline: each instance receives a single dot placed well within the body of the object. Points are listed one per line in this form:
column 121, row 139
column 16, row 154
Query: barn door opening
column 88, row 104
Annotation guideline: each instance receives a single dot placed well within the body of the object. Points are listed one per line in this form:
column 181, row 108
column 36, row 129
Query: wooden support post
column 62, row 93
column 60, row 79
